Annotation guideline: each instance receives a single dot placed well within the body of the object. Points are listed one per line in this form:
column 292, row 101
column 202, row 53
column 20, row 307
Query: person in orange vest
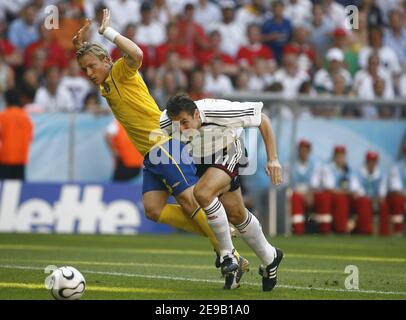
column 16, row 135
column 128, row 160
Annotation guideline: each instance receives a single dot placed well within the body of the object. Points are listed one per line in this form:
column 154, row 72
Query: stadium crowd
column 207, row 48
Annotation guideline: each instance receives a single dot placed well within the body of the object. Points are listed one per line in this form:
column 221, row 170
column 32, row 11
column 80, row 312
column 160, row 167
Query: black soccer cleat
column 228, row 265
column 232, row 280
column 268, row 273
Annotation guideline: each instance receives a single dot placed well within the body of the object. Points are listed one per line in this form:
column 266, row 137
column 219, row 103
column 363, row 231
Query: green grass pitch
column 181, row 266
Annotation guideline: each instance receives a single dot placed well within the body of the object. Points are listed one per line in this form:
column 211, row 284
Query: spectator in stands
column 16, row 134
column 167, row 88
column 149, row 32
column 174, row 43
column 364, row 85
column 338, row 179
column 12, row 56
column 92, row 104
column 300, row 42
column 191, row 33
column 51, row 97
column 128, row 162
column 197, row 85
column 298, row 11
column 341, row 89
column 370, row 197
column 232, row 33
column 323, row 79
column 123, row 12
column 242, row 81
column 28, row 88
column 320, row 30
column 260, row 77
column 277, row 31
column 216, row 82
column 213, row 51
column 255, row 49
column 161, row 12
column 251, row 13
column 23, row 31
column 395, row 36
column 335, row 12
column 302, row 182
column 76, row 84
column 7, row 79
column 397, row 194
column 343, row 42
column 207, row 13
column 172, row 65
column 387, row 56
column 290, row 76
column 385, row 6
column 372, row 13
column 54, row 53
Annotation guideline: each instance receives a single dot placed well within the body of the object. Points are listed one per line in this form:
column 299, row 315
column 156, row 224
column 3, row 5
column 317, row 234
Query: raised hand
column 79, row 38
column 105, row 22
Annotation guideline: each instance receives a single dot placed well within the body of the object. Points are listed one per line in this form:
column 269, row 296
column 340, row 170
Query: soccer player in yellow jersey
column 165, row 170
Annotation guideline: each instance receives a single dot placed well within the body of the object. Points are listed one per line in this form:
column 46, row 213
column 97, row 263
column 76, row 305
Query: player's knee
column 202, row 196
column 236, row 217
column 152, row 213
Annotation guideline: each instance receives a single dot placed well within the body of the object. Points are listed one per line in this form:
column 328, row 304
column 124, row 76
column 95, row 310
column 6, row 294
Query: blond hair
column 96, row 49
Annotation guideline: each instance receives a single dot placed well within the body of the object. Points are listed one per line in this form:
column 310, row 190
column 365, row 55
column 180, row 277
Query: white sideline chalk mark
column 122, row 274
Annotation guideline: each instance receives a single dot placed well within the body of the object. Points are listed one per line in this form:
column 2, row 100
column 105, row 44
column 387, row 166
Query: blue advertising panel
column 74, row 208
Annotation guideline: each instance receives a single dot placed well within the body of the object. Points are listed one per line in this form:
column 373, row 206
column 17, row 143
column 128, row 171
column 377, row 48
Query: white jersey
column 222, row 123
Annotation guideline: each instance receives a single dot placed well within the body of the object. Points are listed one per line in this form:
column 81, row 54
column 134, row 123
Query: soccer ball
column 67, row 283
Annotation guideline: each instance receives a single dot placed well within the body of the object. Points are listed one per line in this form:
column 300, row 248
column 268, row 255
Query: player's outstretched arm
column 133, row 53
column 273, row 167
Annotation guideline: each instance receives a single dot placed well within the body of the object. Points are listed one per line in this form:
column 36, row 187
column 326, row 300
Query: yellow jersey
column 132, row 105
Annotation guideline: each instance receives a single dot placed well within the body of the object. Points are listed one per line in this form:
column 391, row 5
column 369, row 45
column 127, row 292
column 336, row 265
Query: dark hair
column 178, row 103
column 12, row 98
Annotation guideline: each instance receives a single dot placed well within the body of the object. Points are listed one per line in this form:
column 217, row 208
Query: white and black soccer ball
column 67, row 283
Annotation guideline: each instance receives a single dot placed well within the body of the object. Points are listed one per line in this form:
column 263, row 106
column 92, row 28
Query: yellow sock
column 173, row 215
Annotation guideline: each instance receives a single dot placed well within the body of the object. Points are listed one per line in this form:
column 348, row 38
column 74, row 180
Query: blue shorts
column 169, row 167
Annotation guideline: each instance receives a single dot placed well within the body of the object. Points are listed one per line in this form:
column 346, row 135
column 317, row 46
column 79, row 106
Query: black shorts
column 124, row 173
column 229, row 160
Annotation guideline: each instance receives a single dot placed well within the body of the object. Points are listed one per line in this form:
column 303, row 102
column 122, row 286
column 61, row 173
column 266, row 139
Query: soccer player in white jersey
column 212, row 128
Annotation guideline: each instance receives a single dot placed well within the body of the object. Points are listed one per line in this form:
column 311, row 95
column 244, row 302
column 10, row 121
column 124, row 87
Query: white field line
column 145, row 276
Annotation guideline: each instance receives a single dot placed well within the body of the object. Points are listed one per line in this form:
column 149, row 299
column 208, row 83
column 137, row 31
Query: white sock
column 218, row 222
column 251, row 232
